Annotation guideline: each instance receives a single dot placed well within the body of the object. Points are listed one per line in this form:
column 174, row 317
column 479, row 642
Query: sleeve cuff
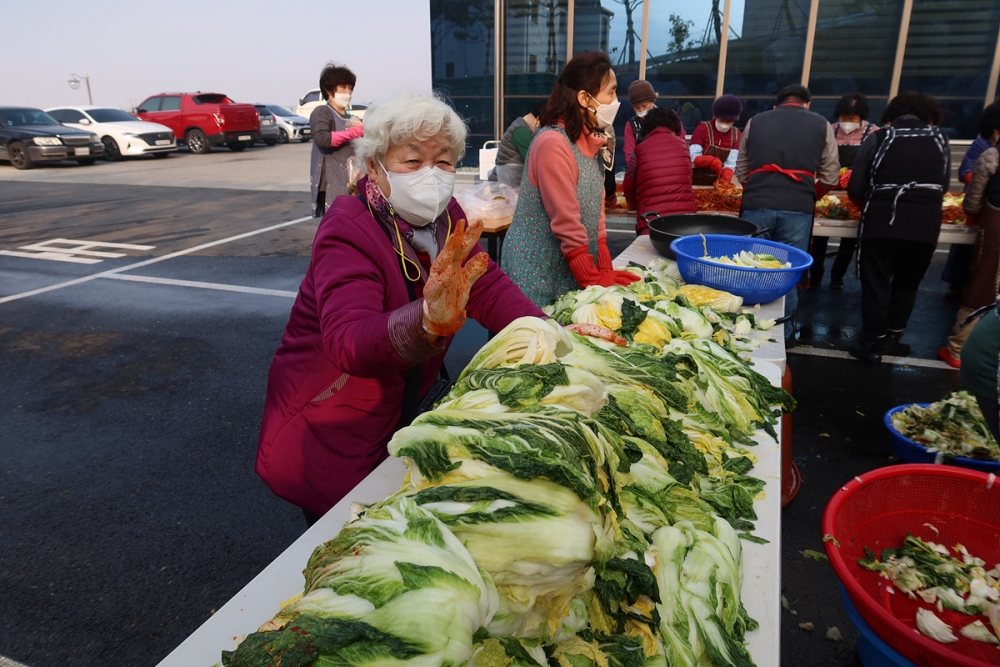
column 406, row 333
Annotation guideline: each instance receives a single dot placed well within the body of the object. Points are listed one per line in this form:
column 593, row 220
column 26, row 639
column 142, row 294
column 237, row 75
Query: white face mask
column 605, row 113
column 419, row 197
column 642, row 114
column 723, row 126
column 342, row 99
column 849, row 127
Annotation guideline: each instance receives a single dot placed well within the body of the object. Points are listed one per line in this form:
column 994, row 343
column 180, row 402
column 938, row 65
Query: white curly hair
column 400, row 118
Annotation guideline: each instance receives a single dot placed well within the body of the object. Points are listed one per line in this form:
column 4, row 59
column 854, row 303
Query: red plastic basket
column 877, row 510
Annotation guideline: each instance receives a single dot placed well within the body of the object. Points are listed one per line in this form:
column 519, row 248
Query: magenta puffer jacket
column 660, row 179
column 335, row 388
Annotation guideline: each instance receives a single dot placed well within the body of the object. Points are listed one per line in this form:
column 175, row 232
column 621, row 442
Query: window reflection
column 462, row 52
column 767, row 42
column 949, row 51
column 855, row 47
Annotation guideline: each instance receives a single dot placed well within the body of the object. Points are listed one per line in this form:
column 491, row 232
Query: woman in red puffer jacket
column 659, row 179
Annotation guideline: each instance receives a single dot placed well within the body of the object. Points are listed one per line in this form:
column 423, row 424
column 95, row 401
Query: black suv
column 30, row 135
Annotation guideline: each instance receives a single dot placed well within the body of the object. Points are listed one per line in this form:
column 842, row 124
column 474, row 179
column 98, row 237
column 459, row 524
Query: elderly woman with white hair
column 394, row 270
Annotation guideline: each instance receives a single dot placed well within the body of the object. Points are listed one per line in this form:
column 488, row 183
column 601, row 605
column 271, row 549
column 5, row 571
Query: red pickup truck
column 203, row 120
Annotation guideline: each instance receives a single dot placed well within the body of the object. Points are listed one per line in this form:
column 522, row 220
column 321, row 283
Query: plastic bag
column 488, row 201
column 354, row 175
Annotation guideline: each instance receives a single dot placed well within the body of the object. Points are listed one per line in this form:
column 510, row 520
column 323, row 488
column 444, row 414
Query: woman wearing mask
column 715, row 143
column 642, row 97
column 850, row 130
column 394, row 270
column 333, row 128
column 660, row 178
column 557, row 241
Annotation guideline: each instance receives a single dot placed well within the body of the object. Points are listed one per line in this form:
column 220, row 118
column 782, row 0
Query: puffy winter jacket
column 660, row 179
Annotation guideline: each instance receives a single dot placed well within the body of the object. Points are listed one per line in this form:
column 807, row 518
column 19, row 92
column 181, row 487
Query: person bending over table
column 659, row 180
column 393, row 273
column 558, row 228
column 514, row 147
column 787, row 159
column 899, row 180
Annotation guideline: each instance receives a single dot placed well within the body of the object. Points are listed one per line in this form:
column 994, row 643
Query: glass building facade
column 493, row 59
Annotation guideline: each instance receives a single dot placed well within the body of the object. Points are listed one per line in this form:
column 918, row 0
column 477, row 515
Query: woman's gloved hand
column 447, row 290
column 587, row 272
column 709, row 162
column 845, row 179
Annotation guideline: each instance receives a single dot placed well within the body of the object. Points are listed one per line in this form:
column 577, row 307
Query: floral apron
column 532, row 255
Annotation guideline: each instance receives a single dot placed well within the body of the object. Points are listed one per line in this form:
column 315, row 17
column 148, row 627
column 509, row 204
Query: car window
column 152, row 104
column 110, row 115
column 70, row 116
column 279, row 110
column 312, row 96
column 16, row 117
column 212, row 98
column 263, row 110
column 58, row 114
column 171, row 103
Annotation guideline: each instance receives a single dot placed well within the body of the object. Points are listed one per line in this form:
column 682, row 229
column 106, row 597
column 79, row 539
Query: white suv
column 313, row 99
column 122, row 134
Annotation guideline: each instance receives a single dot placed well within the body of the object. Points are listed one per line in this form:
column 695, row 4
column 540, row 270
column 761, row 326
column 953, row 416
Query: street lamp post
column 74, row 83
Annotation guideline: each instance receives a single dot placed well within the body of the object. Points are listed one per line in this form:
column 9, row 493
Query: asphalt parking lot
column 133, row 387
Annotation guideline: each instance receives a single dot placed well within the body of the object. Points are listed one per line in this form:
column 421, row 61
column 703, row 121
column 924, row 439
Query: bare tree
column 631, row 36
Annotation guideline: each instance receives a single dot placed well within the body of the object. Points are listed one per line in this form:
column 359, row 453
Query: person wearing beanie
column 787, row 160
column 642, row 97
column 715, row 143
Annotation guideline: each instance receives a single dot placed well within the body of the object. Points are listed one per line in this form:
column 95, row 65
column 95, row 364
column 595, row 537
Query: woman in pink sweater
column 558, row 241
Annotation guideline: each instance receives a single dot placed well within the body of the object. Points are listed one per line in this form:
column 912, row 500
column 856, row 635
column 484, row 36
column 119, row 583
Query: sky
column 263, row 51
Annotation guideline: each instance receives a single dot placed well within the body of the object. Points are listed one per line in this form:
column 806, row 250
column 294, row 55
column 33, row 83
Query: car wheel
column 86, row 161
column 270, row 142
column 160, row 156
column 197, row 141
column 18, row 156
column 111, row 151
column 237, row 146
column 283, row 137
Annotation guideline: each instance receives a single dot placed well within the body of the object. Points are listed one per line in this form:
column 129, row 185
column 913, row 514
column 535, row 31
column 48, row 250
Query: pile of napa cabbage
column 569, row 503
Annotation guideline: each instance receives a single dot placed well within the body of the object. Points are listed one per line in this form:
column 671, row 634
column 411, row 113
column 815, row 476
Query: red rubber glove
column 967, row 178
column 581, row 265
column 709, row 162
column 821, row 190
column 845, row 179
column 727, row 175
column 623, row 278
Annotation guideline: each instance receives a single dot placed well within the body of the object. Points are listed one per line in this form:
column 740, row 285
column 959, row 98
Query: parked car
column 313, row 99
column 203, row 120
column 122, row 134
column 30, row 135
column 269, row 131
column 290, row 126
column 309, row 101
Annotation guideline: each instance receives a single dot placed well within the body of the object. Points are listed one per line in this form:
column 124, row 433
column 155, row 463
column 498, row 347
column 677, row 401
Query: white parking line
column 129, row 267
column 896, row 361
column 7, row 662
column 194, row 283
